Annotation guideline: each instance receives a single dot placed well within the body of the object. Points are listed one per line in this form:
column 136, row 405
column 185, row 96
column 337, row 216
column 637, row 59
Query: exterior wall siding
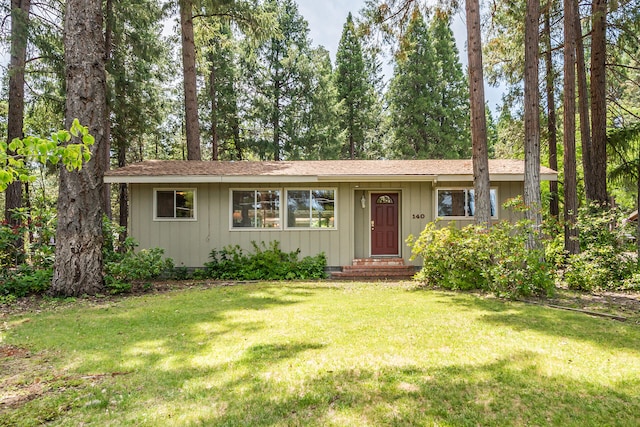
column 190, row 242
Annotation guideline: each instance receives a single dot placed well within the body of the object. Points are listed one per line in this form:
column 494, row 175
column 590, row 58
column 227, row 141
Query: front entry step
column 375, row 269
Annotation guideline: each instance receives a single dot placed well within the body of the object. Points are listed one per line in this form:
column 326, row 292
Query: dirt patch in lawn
column 622, row 305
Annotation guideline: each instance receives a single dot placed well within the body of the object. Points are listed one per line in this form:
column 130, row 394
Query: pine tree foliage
column 411, row 94
column 354, row 90
column 220, row 57
column 320, row 120
column 452, row 90
column 278, row 77
column 136, row 68
column 428, row 96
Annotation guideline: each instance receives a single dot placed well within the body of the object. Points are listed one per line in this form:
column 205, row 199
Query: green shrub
column 146, row 264
column 473, row 257
column 31, row 241
column 453, row 258
column 604, row 261
column 181, row 273
column 265, row 263
column 25, row 280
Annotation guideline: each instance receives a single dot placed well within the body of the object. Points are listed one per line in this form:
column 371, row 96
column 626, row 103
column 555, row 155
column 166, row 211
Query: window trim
column 310, row 189
column 175, row 218
column 255, row 189
column 466, row 202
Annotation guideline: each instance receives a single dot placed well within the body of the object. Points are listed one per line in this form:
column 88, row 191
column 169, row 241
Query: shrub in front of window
column 460, row 202
column 265, row 263
column 473, row 257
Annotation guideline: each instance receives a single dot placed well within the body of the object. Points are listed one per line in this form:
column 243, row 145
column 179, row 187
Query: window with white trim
column 460, row 202
column 255, row 209
column 174, row 204
column 311, row 208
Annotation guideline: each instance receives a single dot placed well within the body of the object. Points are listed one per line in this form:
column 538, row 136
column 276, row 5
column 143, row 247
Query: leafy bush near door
column 264, row 263
column 473, row 257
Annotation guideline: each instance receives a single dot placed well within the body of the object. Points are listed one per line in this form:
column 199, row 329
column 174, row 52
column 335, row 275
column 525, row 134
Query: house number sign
column 418, row 216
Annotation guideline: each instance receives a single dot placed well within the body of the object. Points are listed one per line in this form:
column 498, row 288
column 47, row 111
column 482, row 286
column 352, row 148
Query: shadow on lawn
column 519, row 316
column 505, row 392
column 147, row 331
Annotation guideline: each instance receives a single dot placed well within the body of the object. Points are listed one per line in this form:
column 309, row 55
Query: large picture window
column 255, row 209
column 175, row 204
column 311, row 208
column 460, row 202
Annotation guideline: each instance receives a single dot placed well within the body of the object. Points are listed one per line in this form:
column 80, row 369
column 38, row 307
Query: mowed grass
column 319, row 354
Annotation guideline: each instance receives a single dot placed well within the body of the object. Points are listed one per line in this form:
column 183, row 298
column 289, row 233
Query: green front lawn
column 317, row 354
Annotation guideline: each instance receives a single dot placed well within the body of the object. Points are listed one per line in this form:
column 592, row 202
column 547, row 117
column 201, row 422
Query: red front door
column 384, row 224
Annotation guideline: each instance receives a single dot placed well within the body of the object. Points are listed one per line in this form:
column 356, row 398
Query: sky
column 326, row 18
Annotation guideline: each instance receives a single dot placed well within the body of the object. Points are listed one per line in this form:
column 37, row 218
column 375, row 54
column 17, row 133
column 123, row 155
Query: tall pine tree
column 451, row 91
column 412, row 100
column 278, row 84
column 353, row 90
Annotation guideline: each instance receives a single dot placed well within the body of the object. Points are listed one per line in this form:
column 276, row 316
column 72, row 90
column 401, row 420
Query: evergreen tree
column 412, row 100
column 278, row 91
column 221, row 63
column 320, row 134
column 136, row 65
column 353, row 90
column 20, row 10
column 451, row 91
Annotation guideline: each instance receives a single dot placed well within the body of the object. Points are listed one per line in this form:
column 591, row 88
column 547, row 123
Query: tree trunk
column 275, row 121
column 532, row 121
column 583, row 108
column 554, row 208
column 571, row 243
column 192, row 122
column 123, row 194
column 20, row 10
column 638, row 209
column 599, row 100
column 108, row 46
column 214, row 109
column 481, row 183
column 78, row 262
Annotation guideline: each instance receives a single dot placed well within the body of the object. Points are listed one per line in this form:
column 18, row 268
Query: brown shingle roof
column 315, row 170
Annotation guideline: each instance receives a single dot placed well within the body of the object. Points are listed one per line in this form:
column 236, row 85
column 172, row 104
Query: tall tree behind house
column 413, row 95
column 20, row 10
column 278, row 79
column 571, row 243
column 353, row 89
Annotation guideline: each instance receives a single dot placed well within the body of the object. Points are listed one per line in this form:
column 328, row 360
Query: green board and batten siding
column 190, row 242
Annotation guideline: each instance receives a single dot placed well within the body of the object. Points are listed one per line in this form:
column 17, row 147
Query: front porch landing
column 375, row 269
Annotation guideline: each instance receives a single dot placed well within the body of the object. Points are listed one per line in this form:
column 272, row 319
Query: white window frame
column 335, row 209
column 466, row 190
column 255, row 190
column 175, row 218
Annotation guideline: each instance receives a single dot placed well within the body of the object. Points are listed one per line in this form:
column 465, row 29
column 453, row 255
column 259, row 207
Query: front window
column 176, row 204
column 256, row 209
column 460, row 202
column 311, row 208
